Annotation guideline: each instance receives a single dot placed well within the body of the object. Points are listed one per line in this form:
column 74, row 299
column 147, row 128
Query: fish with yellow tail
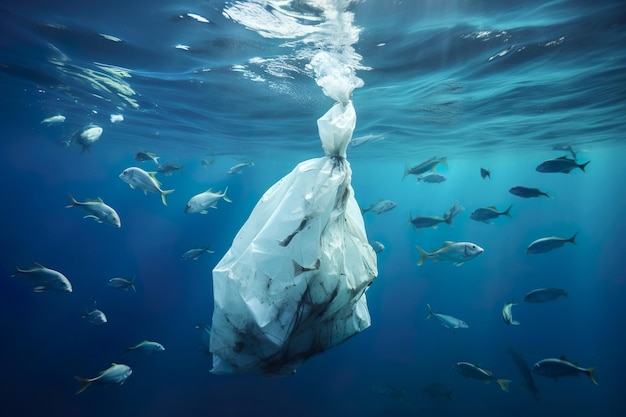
column 470, row 370
column 115, row 374
column 146, row 181
column 558, row 368
column 456, row 252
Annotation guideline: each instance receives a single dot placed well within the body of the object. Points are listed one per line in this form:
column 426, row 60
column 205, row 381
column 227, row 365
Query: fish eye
column 473, row 246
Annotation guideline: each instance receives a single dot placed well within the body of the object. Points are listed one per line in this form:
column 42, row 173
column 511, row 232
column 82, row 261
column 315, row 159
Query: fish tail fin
column 225, row 197
column 515, row 322
column 164, row 195
column 573, row 238
column 132, row 285
column 406, row 171
column 423, row 255
column 72, row 202
column 589, row 373
column 85, row 383
column 548, row 195
column 582, row 166
column 504, row 384
column 410, row 218
column 430, row 312
column 507, row 211
column 444, row 161
column 447, row 218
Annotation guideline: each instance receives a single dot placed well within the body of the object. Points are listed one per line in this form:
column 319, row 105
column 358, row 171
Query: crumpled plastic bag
column 293, row 282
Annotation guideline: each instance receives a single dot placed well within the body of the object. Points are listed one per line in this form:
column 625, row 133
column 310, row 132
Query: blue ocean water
column 503, row 85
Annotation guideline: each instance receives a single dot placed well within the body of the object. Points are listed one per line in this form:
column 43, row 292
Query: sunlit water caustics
column 487, row 160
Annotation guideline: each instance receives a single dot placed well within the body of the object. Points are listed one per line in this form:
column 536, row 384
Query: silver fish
column 455, row 252
column 542, row 295
column 195, row 253
column 558, row 368
column 116, row 374
column 431, row 178
column 507, row 314
column 122, row 283
column 546, row 244
column 169, row 167
column 53, row 120
column 470, row 370
column 146, row 181
column 87, row 137
column 147, row 156
column 45, row 279
column 95, row 316
column 527, row 192
column 377, row 246
column 380, row 207
column 485, row 214
column 425, row 166
column 199, row 203
column 146, row 347
column 447, row 321
column 98, row 211
column 563, row 165
column 236, row 169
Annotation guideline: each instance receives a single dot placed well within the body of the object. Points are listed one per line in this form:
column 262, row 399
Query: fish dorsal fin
column 492, row 207
column 210, row 190
column 38, row 265
column 564, row 158
column 100, row 200
column 448, row 243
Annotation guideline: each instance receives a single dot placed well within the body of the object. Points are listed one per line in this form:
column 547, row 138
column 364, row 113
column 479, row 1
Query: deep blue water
column 495, row 84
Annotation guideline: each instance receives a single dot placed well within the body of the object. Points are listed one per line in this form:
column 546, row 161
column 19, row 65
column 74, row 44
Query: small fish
column 484, row 214
column 299, row 269
column 432, row 178
column 484, row 173
column 425, row 166
column 542, row 295
column 146, row 347
column 205, row 337
column 456, row 252
column 199, row 203
column 371, row 138
column 546, row 244
column 236, row 169
column 195, row 253
column 122, row 283
column 205, row 163
column 557, row 368
column 147, row 156
column 377, row 246
column 98, row 211
column 286, row 241
column 87, row 137
column 95, row 316
column 565, row 147
column 45, row 279
column 526, row 192
column 53, row 120
column 563, row 165
column 470, row 370
column 169, row 167
column 525, row 371
column 146, row 181
column 421, row 222
column 436, row 390
column 447, row 321
column 379, row 207
column 507, row 314
column 116, row 374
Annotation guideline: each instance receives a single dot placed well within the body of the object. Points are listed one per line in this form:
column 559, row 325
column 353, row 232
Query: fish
column 205, row 337
column 565, row 147
column 53, row 120
column 431, row 178
column 116, row 374
column 470, row 370
column 115, row 118
column 425, row 166
column 146, row 347
column 529, row 381
column 45, row 279
column 87, row 137
column 456, row 252
column 526, row 192
column 542, row 295
column 484, row 214
column 286, row 241
column 236, row 169
column 437, row 390
column 299, row 269
column 377, row 246
column 98, row 211
column 169, row 167
column 195, row 253
column 205, row 163
column 484, row 173
column 371, row 138
column 95, row 316
column 379, row 207
column 144, row 156
column 199, row 203
column 546, row 244
column 507, row 314
column 420, row 222
column 146, row 181
column 447, row 321
column 122, row 283
column 558, row 368
column 563, row 165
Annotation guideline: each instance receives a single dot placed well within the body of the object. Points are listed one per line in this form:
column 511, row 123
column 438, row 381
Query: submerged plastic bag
column 293, row 282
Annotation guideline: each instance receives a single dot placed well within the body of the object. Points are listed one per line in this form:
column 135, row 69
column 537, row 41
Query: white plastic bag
column 293, row 282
